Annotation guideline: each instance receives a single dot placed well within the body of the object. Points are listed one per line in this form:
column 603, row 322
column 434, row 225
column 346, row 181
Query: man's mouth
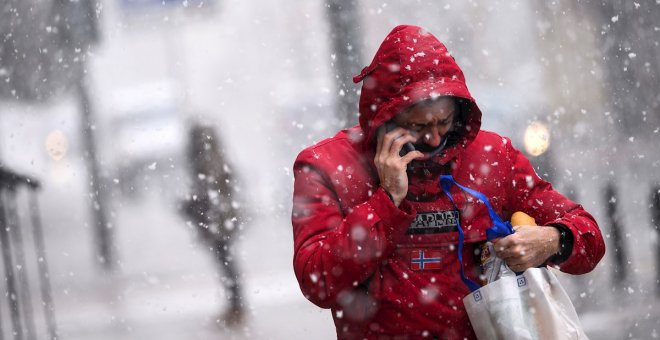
column 430, row 151
column 425, row 148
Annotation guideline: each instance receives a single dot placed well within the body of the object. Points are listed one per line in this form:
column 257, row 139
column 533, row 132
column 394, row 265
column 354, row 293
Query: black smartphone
column 389, row 126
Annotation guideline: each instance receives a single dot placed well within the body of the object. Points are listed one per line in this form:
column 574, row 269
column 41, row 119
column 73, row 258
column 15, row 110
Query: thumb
column 412, row 155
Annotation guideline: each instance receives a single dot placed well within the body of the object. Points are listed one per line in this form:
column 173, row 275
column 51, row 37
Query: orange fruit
column 520, row 218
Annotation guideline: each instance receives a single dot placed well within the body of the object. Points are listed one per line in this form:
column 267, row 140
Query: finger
column 410, row 156
column 521, row 267
column 512, row 265
column 504, row 242
column 398, row 143
column 518, row 268
column 517, row 264
column 508, row 252
column 504, row 253
column 500, row 251
column 380, row 145
column 390, row 137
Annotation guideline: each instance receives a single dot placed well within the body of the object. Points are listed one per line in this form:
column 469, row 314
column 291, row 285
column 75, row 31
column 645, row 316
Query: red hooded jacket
column 393, row 273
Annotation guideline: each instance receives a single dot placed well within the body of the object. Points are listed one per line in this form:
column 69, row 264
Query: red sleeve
column 332, row 251
column 537, row 198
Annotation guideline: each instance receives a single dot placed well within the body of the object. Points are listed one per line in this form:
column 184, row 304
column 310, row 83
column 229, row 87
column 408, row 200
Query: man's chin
column 425, row 148
column 428, row 151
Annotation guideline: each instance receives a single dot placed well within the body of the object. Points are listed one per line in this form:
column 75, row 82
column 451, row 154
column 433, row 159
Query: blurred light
column 57, row 145
column 537, row 138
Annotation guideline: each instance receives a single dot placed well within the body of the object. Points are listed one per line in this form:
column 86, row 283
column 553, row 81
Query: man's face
column 430, row 121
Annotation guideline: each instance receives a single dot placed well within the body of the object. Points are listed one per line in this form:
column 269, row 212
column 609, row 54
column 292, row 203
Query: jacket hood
column 410, row 66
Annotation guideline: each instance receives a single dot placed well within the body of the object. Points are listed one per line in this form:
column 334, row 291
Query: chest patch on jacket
column 425, row 259
column 434, row 222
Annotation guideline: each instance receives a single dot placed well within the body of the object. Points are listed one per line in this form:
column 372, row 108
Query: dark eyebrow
column 443, row 121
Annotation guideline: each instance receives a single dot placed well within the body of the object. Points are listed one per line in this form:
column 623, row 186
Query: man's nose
column 432, row 136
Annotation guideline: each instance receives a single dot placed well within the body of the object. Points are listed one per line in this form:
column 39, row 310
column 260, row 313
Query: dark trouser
column 230, row 276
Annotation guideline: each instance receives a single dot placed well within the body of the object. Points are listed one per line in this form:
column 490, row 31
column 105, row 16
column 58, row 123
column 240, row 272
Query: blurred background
column 98, row 99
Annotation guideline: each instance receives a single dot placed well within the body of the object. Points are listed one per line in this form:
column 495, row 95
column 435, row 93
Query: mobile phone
column 389, row 126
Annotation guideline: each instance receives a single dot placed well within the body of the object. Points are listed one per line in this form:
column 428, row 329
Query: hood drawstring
column 363, row 74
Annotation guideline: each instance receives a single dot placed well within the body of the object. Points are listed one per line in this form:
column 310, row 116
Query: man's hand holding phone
column 390, row 164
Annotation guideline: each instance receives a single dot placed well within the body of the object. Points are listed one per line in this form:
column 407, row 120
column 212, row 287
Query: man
column 375, row 237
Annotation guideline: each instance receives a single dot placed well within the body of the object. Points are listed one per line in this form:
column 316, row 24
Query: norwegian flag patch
column 425, row 259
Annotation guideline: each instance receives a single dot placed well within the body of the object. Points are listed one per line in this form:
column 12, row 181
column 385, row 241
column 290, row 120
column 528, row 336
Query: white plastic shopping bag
column 532, row 305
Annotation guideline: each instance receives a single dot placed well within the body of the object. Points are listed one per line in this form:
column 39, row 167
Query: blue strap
column 499, row 229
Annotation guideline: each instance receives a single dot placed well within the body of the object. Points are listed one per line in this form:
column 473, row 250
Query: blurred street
column 169, row 289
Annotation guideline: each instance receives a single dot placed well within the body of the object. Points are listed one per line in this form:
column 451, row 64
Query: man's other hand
column 528, row 247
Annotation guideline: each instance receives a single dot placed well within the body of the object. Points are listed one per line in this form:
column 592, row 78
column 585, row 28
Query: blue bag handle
column 499, row 229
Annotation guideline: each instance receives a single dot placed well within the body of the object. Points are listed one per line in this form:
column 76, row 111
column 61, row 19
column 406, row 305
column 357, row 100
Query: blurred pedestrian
column 375, row 237
column 213, row 209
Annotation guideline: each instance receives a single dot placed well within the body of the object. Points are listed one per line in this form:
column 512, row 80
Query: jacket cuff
column 398, row 218
column 565, row 244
